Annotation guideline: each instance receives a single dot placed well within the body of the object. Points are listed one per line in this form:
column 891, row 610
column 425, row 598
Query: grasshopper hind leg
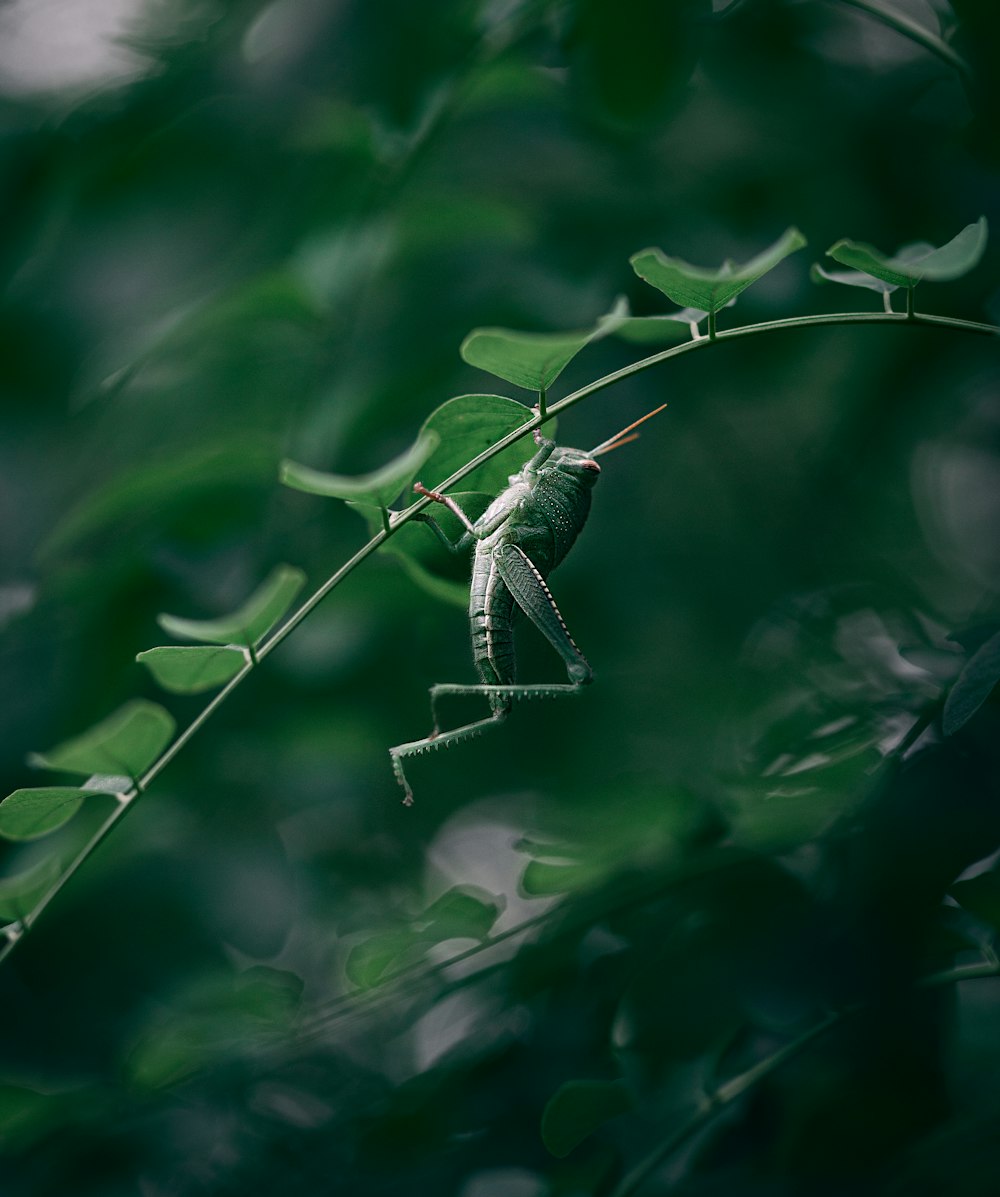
column 438, row 739
column 500, row 697
column 493, row 648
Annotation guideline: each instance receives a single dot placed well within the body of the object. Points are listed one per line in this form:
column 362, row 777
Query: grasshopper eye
column 591, row 466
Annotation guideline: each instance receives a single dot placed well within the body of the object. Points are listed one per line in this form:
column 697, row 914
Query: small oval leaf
column 129, row 497
column 851, row 278
column 909, row 265
column 252, row 621
column 437, row 572
column 463, row 912
column 655, row 330
column 375, row 959
column 972, row 686
column 530, row 360
column 17, row 892
column 126, row 742
column 32, row 813
column 544, row 879
column 533, row 360
column 467, row 425
column 190, row 670
column 710, row 290
column 380, row 487
column 578, row 1108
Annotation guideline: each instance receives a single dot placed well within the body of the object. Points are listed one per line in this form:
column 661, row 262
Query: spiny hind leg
column 499, row 697
column 497, row 694
column 439, row 739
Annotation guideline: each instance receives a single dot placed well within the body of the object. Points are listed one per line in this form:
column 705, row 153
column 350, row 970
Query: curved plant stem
column 630, row 896
column 724, row 1096
column 729, row 1092
column 917, row 33
column 420, row 970
column 122, row 807
column 791, row 322
column 17, row 930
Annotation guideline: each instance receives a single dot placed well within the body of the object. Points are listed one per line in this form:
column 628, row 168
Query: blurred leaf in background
column 236, row 234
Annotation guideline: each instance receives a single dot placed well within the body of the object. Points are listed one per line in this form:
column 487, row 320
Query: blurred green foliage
column 265, row 238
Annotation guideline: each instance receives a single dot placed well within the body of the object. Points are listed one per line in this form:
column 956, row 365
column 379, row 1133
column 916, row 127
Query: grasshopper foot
column 397, row 768
column 420, row 489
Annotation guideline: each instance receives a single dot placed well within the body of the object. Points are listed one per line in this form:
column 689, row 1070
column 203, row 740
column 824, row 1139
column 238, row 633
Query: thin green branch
column 29, row 920
column 965, row 972
column 333, row 581
column 729, row 334
column 630, row 896
column 327, row 1013
column 729, row 1092
column 916, row 32
column 322, row 1018
column 916, row 729
column 122, row 807
column 400, row 518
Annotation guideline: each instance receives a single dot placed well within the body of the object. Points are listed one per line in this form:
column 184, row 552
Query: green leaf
column 467, row 425
column 27, row 1115
column 972, row 686
column 578, row 1108
column 180, row 481
column 252, row 621
column 380, row 487
column 175, row 1051
column 543, row 879
column 463, row 912
column 437, row 572
column 17, row 892
column 710, row 290
column 267, row 995
column 126, row 742
column 655, row 330
column 30, row 814
column 377, row 958
column 918, row 261
column 217, row 1018
column 192, row 670
column 532, row 360
column 851, row 278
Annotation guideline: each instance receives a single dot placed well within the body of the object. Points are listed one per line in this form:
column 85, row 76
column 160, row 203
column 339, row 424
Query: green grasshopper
column 519, row 539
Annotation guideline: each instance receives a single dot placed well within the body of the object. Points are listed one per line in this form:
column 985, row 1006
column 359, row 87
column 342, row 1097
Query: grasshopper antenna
column 619, row 439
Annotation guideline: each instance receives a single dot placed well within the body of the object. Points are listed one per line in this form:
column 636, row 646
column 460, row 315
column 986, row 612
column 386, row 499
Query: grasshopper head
column 577, row 463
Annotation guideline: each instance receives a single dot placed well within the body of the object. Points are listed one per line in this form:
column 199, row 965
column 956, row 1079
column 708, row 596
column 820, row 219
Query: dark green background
column 271, row 243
